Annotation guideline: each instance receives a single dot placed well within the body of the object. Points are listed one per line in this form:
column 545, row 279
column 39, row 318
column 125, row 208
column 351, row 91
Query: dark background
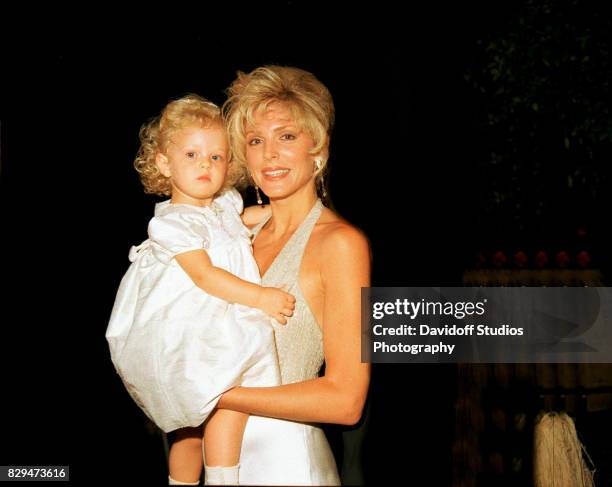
column 410, row 165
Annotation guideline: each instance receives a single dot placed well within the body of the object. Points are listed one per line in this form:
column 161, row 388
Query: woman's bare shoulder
column 336, row 235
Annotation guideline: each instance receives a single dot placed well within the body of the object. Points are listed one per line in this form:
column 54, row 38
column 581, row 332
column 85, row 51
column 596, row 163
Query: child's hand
column 276, row 303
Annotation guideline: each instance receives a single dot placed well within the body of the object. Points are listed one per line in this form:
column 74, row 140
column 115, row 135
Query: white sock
column 221, row 475
column 171, row 481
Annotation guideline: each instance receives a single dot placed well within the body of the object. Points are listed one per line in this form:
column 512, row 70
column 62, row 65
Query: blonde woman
column 279, row 121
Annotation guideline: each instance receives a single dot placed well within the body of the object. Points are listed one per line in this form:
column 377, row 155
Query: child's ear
column 161, row 161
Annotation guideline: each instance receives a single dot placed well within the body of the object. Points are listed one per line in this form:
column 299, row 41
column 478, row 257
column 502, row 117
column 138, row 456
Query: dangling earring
column 322, row 184
column 259, row 201
column 321, row 177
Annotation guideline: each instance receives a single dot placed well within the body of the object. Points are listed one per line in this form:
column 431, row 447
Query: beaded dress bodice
column 300, row 342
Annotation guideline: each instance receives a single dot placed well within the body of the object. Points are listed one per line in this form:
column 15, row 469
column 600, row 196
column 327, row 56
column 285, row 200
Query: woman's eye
column 288, row 137
column 254, row 141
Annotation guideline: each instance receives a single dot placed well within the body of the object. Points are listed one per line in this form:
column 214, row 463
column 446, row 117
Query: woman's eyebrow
column 275, row 129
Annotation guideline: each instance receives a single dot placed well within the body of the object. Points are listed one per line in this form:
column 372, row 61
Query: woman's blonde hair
column 189, row 111
column 308, row 100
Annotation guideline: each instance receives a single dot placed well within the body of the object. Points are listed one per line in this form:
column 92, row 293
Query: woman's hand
column 254, row 215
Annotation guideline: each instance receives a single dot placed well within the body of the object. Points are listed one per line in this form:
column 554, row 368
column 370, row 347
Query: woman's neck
column 288, row 213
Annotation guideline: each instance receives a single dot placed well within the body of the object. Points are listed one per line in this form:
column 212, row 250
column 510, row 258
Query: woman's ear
column 162, row 163
column 319, row 159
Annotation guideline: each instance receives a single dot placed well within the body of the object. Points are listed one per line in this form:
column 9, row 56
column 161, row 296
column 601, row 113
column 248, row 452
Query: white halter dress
column 279, row 452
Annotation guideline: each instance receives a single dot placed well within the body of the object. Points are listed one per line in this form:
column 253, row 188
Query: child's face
column 196, row 163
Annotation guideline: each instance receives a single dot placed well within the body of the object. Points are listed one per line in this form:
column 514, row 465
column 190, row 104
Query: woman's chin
column 277, row 196
column 277, row 193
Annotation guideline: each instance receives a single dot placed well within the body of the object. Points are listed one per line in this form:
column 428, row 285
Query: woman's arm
column 338, row 396
column 225, row 285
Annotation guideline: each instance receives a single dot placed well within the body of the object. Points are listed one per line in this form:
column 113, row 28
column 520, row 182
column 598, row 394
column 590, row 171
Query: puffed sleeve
column 231, row 199
column 178, row 232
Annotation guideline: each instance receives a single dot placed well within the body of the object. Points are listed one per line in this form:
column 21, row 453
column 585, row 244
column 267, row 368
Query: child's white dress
column 176, row 348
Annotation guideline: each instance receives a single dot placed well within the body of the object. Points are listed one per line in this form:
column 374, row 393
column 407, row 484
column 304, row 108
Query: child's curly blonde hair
column 188, row 111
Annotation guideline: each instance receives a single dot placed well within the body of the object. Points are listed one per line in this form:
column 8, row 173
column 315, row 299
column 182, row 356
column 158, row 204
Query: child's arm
column 253, row 215
column 227, row 286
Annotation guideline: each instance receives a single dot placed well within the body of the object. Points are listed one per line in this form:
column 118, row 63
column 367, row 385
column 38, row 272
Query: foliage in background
column 543, row 81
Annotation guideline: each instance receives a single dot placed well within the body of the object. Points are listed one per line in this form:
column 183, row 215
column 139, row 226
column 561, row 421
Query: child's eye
column 217, row 157
column 191, row 154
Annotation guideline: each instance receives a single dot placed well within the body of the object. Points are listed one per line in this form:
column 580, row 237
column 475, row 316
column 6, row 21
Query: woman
column 279, row 121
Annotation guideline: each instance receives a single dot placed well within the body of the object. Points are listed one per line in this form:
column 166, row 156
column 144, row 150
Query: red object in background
column 541, row 259
column 499, row 258
column 520, row 259
column 583, row 258
column 581, row 231
column 562, row 258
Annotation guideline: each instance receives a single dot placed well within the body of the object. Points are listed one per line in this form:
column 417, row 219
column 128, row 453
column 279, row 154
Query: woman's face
column 278, row 153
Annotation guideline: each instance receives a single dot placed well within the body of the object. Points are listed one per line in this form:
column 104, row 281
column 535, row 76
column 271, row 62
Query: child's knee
column 188, row 438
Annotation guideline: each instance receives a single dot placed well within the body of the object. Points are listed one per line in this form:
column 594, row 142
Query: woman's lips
column 274, row 173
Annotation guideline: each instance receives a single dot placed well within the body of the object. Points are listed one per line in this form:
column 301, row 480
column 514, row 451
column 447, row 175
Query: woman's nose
column 270, row 151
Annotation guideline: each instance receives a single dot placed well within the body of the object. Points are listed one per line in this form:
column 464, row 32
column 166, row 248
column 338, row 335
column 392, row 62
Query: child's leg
column 223, row 437
column 222, row 440
column 185, row 457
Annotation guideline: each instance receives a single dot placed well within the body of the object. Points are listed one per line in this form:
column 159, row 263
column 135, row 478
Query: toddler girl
column 186, row 325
